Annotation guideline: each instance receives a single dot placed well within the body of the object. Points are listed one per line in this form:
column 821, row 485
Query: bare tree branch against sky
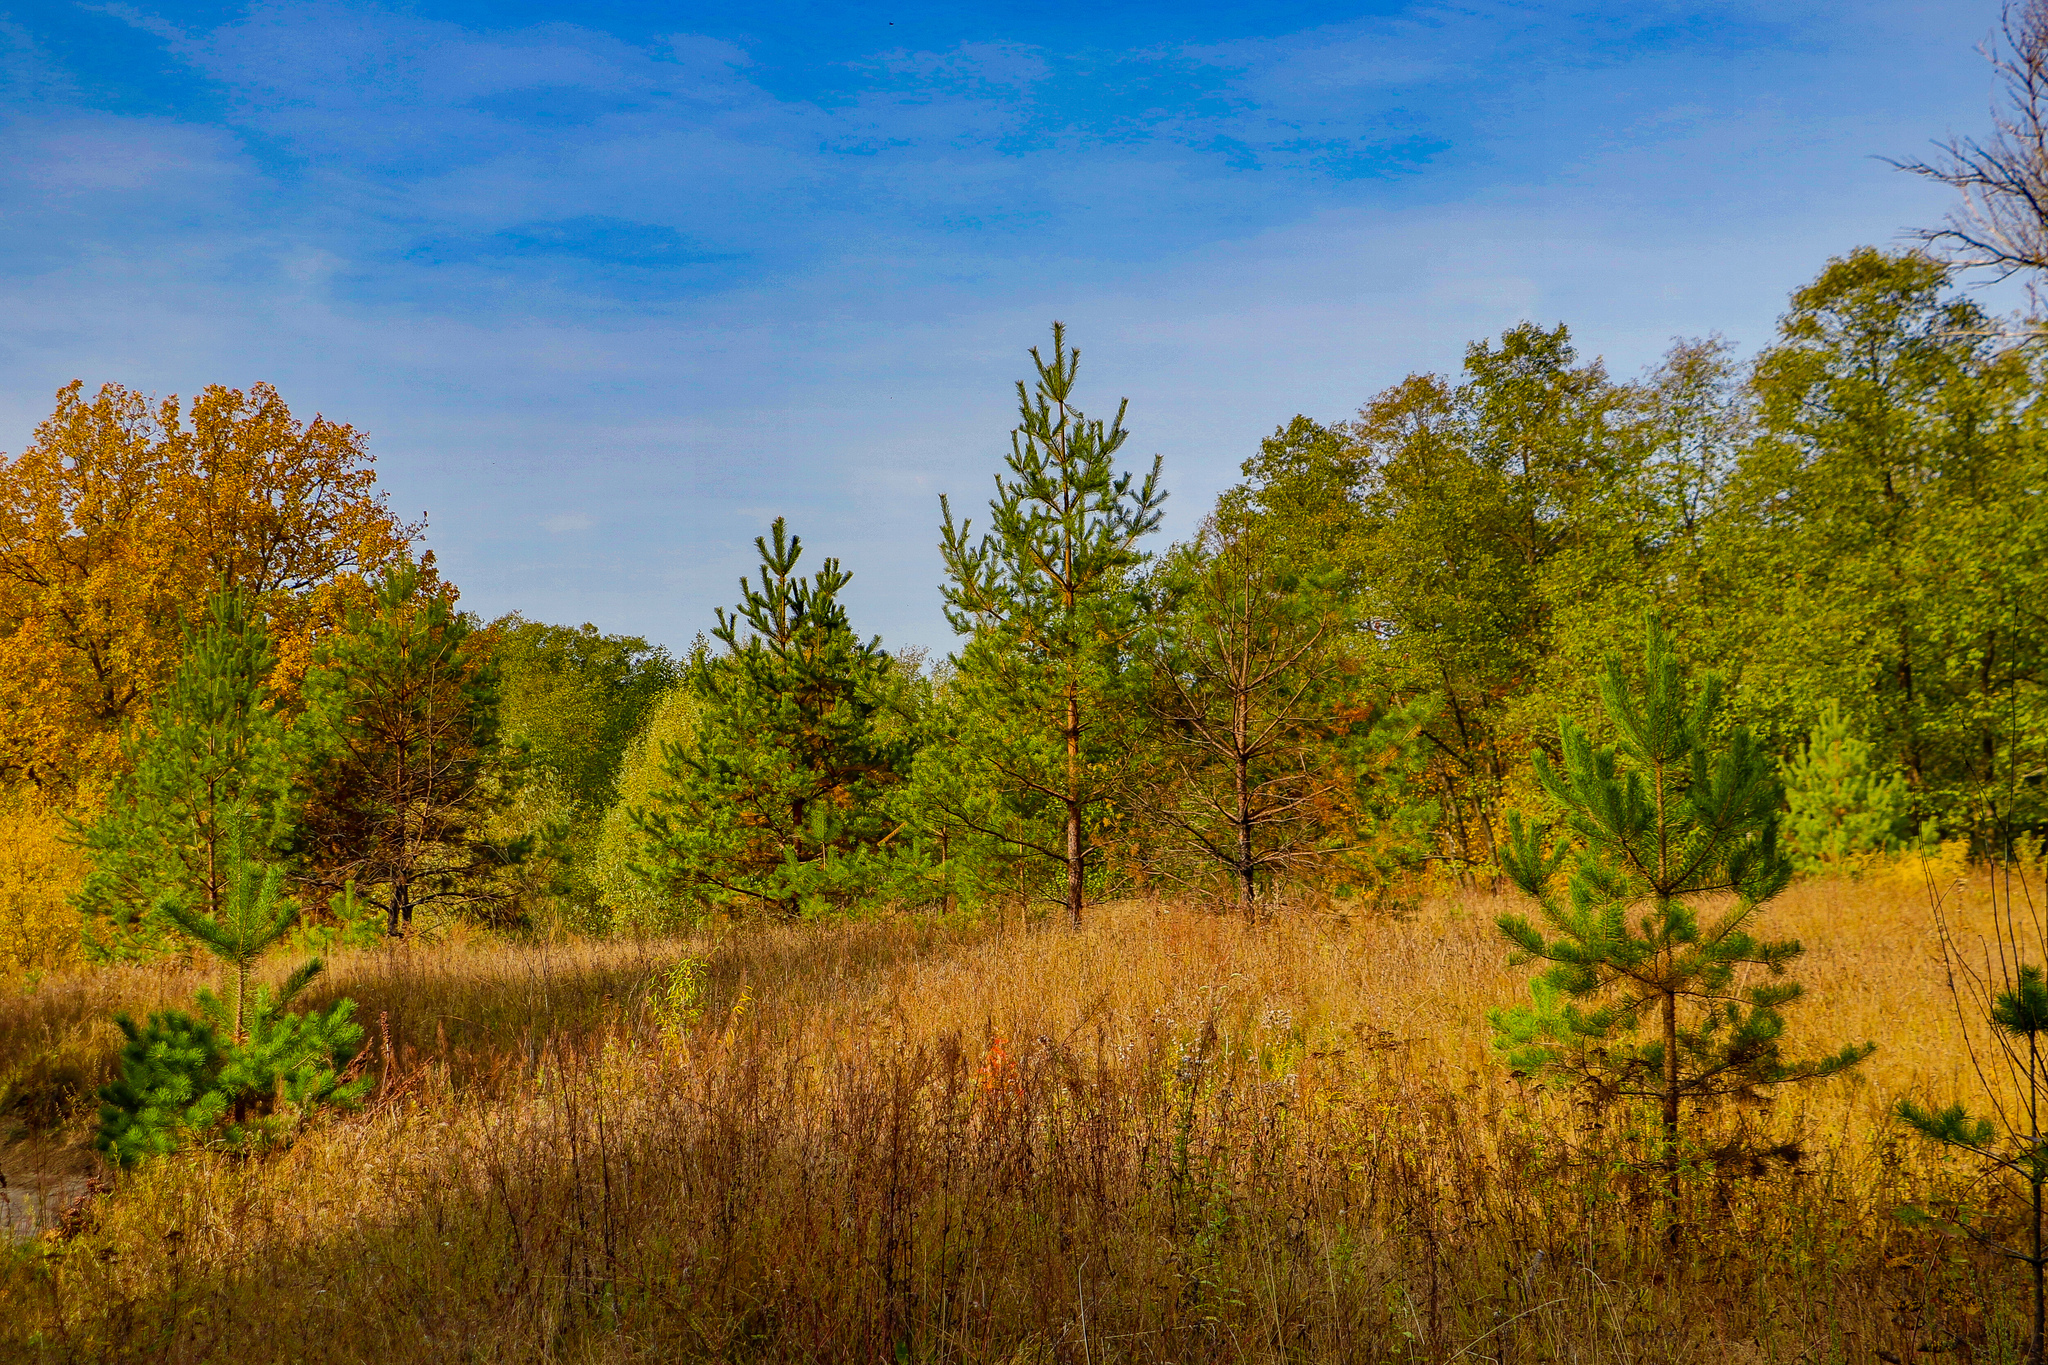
column 2002, row 223
column 613, row 284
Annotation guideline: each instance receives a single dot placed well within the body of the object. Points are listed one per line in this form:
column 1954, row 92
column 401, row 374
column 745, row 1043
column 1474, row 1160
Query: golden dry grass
column 1170, row 1137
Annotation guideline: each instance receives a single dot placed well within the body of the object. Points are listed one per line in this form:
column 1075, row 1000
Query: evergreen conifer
column 1658, row 829
column 1049, row 599
column 2020, row 1014
column 2010, row 1138
column 209, row 766
column 1842, row 810
column 165, row 1089
column 774, row 800
column 405, row 765
column 1244, row 670
column 246, row 1070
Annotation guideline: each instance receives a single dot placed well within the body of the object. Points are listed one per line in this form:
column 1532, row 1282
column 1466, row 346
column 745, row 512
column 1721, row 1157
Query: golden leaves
column 39, row 870
column 118, row 520
column 115, row 524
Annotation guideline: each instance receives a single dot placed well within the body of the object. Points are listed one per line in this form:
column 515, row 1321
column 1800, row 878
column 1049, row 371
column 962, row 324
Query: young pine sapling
column 1672, row 843
column 247, row 1070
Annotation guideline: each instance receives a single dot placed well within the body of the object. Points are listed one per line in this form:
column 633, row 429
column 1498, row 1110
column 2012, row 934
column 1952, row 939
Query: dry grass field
column 1170, row 1137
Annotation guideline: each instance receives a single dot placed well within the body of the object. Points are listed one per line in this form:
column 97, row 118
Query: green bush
column 1843, row 810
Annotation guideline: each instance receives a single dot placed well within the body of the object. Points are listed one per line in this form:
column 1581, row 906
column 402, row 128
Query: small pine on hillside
column 247, row 1071
column 1672, row 844
column 1843, row 810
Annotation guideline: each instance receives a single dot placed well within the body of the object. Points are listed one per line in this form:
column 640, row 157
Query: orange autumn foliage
column 119, row 519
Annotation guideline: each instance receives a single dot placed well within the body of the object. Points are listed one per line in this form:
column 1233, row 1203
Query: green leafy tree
column 576, row 697
column 405, row 766
column 1383, row 821
column 1482, row 505
column 210, row 764
column 1644, row 543
column 1048, row 598
column 626, row 896
column 1302, row 497
column 775, row 801
column 571, row 700
column 1656, row 825
column 1842, row 809
column 247, row 1070
column 1881, row 535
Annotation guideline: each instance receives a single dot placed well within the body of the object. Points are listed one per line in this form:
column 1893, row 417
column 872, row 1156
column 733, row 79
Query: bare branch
column 2002, row 223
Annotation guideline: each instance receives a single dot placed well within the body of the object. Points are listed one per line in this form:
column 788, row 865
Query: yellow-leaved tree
column 39, row 871
column 124, row 514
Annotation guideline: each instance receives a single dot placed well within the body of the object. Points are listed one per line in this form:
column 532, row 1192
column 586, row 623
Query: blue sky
column 611, row 285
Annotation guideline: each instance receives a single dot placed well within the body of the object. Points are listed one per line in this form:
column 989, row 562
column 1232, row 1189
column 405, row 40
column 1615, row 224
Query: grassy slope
column 1168, row 1138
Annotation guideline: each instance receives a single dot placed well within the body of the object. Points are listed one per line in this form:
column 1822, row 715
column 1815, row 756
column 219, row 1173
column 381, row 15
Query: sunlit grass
column 1169, row 1137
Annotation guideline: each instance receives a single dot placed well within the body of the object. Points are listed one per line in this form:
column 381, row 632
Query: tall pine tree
column 209, row 766
column 1048, row 600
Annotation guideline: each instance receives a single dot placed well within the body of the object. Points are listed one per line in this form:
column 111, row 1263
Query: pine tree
column 1049, row 602
column 1842, row 810
column 1243, row 667
column 211, row 759
column 246, row 1071
column 775, row 800
column 405, row 766
column 249, row 919
column 1655, row 826
column 166, row 1088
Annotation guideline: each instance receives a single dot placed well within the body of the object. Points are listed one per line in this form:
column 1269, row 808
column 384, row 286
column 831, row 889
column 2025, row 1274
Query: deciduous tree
column 2002, row 222
column 1882, row 541
column 119, row 520
column 576, row 697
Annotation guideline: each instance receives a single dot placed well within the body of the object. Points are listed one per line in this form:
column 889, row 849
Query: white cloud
column 862, row 361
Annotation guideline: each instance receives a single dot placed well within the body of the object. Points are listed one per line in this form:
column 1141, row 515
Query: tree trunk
column 1074, row 883
column 241, row 1004
column 1671, row 1114
column 1247, row 887
column 399, row 920
column 1075, row 851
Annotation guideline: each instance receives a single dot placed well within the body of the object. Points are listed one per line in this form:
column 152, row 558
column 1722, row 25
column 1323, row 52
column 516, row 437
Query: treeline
column 1848, row 526
column 212, row 629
